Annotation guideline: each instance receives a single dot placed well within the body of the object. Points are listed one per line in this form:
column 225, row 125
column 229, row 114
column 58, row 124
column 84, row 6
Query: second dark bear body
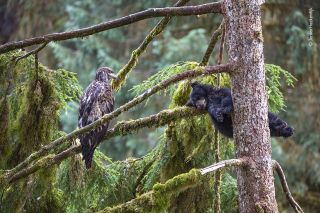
column 218, row 102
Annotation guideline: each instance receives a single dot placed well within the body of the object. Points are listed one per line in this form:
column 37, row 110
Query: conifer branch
column 172, row 187
column 158, row 199
column 106, row 118
column 122, row 128
column 212, row 43
column 214, row 7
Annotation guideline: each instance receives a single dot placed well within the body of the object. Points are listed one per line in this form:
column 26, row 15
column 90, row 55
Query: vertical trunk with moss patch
column 255, row 182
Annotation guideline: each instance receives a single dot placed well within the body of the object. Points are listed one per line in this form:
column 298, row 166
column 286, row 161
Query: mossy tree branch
column 124, row 71
column 159, row 198
column 212, row 43
column 214, row 7
column 122, row 128
column 106, row 118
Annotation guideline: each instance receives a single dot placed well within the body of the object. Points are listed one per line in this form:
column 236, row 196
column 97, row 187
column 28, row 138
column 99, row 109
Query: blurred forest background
column 286, row 34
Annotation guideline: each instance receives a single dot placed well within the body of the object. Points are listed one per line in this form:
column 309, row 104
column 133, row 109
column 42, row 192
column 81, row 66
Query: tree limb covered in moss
column 214, row 7
column 222, row 164
column 106, row 118
column 122, row 74
column 285, row 187
column 159, row 198
column 161, row 194
column 122, row 128
column 212, row 43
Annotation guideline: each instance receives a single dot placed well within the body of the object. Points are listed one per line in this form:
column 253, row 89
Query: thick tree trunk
column 251, row 132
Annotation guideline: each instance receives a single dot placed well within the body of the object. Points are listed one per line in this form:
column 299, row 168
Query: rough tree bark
column 251, row 132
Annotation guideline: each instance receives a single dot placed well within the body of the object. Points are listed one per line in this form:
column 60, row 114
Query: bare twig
column 214, row 38
column 222, row 43
column 35, row 51
column 106, row 118
column 221, row 164
column 149, row 13
column 217, row 175
column 122, row 128
column 122, row 74
column 285, row 187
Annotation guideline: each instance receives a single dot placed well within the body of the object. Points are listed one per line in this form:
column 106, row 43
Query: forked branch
column 32, row 52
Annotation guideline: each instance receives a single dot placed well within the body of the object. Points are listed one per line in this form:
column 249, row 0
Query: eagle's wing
column 87, row 102
column 96, row 101
column 106, row 99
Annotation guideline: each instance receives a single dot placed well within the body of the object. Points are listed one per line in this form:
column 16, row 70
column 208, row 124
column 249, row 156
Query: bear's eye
column 197, row 97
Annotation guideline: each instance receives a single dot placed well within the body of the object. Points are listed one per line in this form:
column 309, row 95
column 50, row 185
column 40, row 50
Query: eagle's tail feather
column 90, row 141
column 88, row 160
column 87, row 151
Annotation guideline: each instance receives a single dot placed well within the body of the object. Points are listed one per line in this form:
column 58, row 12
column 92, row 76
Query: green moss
column 4, row 123
column 37, row 117
column 159, row 198
column 181, row 95
column 177, row 183
column 32, row 101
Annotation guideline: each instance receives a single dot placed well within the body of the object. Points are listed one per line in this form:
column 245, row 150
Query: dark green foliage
column 104, row 185
column 273, row 76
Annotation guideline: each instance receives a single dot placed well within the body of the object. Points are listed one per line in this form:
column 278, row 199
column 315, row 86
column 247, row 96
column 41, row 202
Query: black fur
column 218, row 102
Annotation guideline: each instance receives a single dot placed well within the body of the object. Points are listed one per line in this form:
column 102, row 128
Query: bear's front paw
column 287, row 132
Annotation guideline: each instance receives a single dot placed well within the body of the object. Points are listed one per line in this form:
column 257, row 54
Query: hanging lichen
column 31, row 101
column 4, row 123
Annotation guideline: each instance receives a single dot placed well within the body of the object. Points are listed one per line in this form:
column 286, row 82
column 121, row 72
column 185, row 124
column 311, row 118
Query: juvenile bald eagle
column 96, row 101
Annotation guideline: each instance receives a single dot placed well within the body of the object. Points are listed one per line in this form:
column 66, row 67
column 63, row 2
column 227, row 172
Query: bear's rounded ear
column 194, row 84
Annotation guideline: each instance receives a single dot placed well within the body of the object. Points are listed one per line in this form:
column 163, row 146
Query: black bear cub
column 218, row 102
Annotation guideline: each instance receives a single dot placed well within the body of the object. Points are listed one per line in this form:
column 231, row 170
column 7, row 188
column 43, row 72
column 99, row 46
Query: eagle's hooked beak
column 114, row 76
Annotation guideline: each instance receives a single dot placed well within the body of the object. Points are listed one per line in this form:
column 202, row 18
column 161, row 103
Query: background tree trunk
column 252, row 138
